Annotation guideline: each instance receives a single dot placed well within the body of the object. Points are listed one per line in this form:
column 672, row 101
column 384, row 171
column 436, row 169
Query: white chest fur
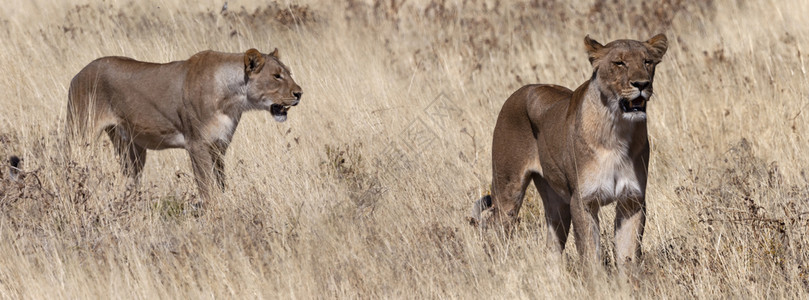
column 612, row 176
column 220, row 127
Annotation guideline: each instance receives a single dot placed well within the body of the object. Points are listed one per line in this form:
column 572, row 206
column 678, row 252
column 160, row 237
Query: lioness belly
column 161, row 141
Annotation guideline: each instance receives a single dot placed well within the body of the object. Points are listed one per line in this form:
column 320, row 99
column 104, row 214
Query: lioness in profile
column 583, row 149
column 194, row 104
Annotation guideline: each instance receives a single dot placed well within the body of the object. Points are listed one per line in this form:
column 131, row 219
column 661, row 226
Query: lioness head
column 269, row 84
column 624, row 71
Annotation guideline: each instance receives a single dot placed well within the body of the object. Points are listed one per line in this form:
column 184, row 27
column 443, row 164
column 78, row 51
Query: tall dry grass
column 362, row 193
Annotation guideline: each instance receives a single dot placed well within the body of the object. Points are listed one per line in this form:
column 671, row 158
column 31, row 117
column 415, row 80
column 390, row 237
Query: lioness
column 583, row 149
column 194, row 104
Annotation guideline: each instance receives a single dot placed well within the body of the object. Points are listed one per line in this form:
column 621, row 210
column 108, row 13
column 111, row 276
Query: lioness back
column 532, row 101
column 110, row 86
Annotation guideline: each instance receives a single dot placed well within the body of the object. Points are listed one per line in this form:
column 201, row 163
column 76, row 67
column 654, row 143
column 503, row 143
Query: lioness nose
column 297, row 95
column 641, row 85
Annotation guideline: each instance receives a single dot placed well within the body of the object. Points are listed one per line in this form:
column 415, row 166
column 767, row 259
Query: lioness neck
column 601, row 126
column 233, row 96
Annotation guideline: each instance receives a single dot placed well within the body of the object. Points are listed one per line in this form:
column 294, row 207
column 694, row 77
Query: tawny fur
column 195, row 104
column 583, row 149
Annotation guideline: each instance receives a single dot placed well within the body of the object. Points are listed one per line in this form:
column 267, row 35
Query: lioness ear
column 274, row 53
column 253, row 61
column 658, row 44
column 593, row 49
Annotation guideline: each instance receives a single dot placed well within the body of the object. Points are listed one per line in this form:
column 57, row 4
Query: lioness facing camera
column 194, row 104
column 583, row 149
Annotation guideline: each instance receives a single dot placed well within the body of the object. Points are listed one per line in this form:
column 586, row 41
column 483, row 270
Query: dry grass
column 362, row 193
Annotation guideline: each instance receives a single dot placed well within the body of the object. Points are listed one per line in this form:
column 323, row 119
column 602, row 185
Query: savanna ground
column 363, row 192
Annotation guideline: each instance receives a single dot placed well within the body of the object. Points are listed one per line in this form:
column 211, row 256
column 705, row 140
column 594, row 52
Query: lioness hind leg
column 630, row 219
column 557, row 214
column 131, row 156
column 508, row 192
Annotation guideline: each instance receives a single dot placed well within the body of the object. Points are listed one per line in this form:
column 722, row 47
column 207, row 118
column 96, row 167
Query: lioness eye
column 648, row 62
column 619, row 63
column 278, row 76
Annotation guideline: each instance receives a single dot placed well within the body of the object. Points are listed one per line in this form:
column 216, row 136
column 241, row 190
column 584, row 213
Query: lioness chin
column 194, row 104
column 583, row 149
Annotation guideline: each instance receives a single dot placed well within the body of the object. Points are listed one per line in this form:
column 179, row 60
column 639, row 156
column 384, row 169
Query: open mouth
column 635, row 105
column 279, row 112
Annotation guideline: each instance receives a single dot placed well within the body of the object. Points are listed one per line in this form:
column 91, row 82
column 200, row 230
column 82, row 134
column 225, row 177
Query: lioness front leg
column 585, row 227
column 218, row 154
column 202, row 162
column 630, row 219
